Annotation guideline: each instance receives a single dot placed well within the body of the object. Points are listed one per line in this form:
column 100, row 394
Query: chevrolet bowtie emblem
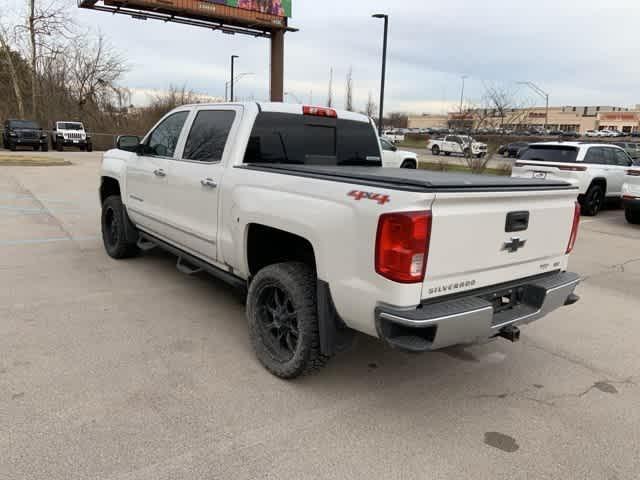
column 514, row 245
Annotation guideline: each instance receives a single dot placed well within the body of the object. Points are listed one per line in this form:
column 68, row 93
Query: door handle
column 208, row 182
column 159, row 173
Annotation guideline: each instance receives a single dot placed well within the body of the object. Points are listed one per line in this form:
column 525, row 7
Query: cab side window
column 164, row 139
column 386, row 145
column 208, row 135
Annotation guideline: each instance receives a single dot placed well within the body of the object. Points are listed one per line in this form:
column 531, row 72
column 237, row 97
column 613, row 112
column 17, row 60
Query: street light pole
column 544, row 95
column 463, row 77
column 384, row 67
column 233, row 58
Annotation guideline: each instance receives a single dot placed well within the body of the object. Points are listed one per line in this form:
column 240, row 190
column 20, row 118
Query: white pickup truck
column 457, row 144
column 291, row 203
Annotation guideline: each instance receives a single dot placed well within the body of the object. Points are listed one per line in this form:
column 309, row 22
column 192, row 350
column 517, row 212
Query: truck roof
column 290, row 108
column 574, row 144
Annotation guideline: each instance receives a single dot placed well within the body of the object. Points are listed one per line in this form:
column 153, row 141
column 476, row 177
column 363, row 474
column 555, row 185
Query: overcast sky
column 582, row 52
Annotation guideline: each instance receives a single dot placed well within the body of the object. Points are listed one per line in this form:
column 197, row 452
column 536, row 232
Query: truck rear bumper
column 476, row 317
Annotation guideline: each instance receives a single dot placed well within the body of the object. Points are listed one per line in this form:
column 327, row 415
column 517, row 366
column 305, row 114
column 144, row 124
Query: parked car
column 457, row 144
column 556, row 133
column 631, row 195
column 394, row 158
column 70, row 134
column 592, row 133
column 511, row 150
column 326, row 242
column 572, row 134
column 23, row 133
column 596, row 169
column 395, row 136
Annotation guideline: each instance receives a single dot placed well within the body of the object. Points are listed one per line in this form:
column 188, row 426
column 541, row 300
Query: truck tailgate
column 483, row 239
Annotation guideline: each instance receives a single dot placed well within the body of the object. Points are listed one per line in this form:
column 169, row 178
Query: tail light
column 319, row 112
column 633, row 173
column 402, row 246
column 572, row 169
column 574, row 229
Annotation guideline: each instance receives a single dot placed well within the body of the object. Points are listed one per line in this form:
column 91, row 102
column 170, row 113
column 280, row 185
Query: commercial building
column 566, row 118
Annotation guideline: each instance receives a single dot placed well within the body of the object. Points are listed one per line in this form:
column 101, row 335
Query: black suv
column 23, row 133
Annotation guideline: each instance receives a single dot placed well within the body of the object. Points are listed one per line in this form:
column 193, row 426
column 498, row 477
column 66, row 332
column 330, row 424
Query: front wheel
column 114, row 229
column 435, row 150
column 36, row 148
column 632, row 215
column 90, row 147
column 283, row 320
column 593, row 201
column 409, row 163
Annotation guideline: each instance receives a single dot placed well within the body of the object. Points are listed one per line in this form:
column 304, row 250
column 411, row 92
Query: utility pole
column 544, row 95
column 233, row 59
column 384, row 67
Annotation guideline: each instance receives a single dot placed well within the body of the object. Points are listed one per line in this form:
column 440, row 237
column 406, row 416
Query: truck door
column 146, row 182
column 195, row 177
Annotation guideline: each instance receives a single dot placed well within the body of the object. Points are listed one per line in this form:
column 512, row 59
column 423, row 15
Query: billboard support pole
column 277, row 65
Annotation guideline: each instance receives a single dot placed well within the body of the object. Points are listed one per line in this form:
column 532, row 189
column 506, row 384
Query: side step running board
column 145, row 244
column 182, row 267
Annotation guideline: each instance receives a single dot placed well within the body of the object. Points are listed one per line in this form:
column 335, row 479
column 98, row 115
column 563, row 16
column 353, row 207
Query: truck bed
column 412, row 180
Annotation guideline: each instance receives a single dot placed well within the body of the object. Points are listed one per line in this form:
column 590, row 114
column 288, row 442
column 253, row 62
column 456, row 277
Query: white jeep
column 70, row 134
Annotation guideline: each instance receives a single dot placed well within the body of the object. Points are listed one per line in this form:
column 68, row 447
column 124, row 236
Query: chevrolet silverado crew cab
column 70, row 134
column 597, row 169
column 458, row 144
column 290, row 203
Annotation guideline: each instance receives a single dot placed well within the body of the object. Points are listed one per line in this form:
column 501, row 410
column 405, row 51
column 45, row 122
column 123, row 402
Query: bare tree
column 371, row 107
column 500, row 100
column 348, row 96
column 48, row 26
column 330, row 95
column 12, row 71
column 93, row 72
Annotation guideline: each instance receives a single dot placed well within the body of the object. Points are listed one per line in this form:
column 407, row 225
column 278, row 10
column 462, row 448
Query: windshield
column 70, row 126
column 24, row 124
column 550, row 153
column 308, row 140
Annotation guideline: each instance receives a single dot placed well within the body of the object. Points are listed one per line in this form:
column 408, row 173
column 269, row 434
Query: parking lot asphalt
column 131, row 370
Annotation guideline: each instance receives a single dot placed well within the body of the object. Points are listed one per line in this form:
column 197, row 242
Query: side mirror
column 394, row 148
column 128, row 143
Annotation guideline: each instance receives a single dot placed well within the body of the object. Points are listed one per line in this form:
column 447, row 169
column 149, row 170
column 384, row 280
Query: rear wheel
column 283, row 320
column 45, row 147
column 435, row 150
column 114, row 229
column 632, row 215
column 409, row 163
column 36, row 148
column 593, row 201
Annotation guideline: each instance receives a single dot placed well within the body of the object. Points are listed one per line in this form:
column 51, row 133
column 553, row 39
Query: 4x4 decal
column 378, row 197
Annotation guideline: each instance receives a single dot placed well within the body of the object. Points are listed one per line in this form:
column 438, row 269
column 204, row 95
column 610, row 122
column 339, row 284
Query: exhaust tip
column 510, row 333
column 571, row 299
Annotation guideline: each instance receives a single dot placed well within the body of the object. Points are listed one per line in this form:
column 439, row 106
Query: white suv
column 597, row 169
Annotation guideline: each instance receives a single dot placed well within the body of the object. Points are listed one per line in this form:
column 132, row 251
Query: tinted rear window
column 299, row 139
column 70, row 126
column 23, row 124
column 550, row 153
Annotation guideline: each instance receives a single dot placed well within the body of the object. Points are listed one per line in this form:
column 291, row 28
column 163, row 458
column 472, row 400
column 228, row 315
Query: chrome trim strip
column 410, row 322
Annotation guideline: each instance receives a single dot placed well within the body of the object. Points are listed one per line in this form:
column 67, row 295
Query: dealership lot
column 122, row 370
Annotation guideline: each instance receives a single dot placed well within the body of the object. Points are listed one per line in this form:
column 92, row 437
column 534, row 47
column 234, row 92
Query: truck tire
column 592, row 201
column 466, row 152
column 283, row 320
column 45, row 147
column 90, row 147
column 12, row 147
column 632, row 216
column 409, row 163
column 114, row 229
column 435, row 150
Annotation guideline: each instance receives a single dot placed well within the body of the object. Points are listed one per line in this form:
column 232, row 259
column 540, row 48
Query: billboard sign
column 267, row 13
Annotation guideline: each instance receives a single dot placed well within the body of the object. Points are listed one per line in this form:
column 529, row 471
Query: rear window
column 308, row 140
column 550, row 153
column 23, row 124
column 70, row 126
